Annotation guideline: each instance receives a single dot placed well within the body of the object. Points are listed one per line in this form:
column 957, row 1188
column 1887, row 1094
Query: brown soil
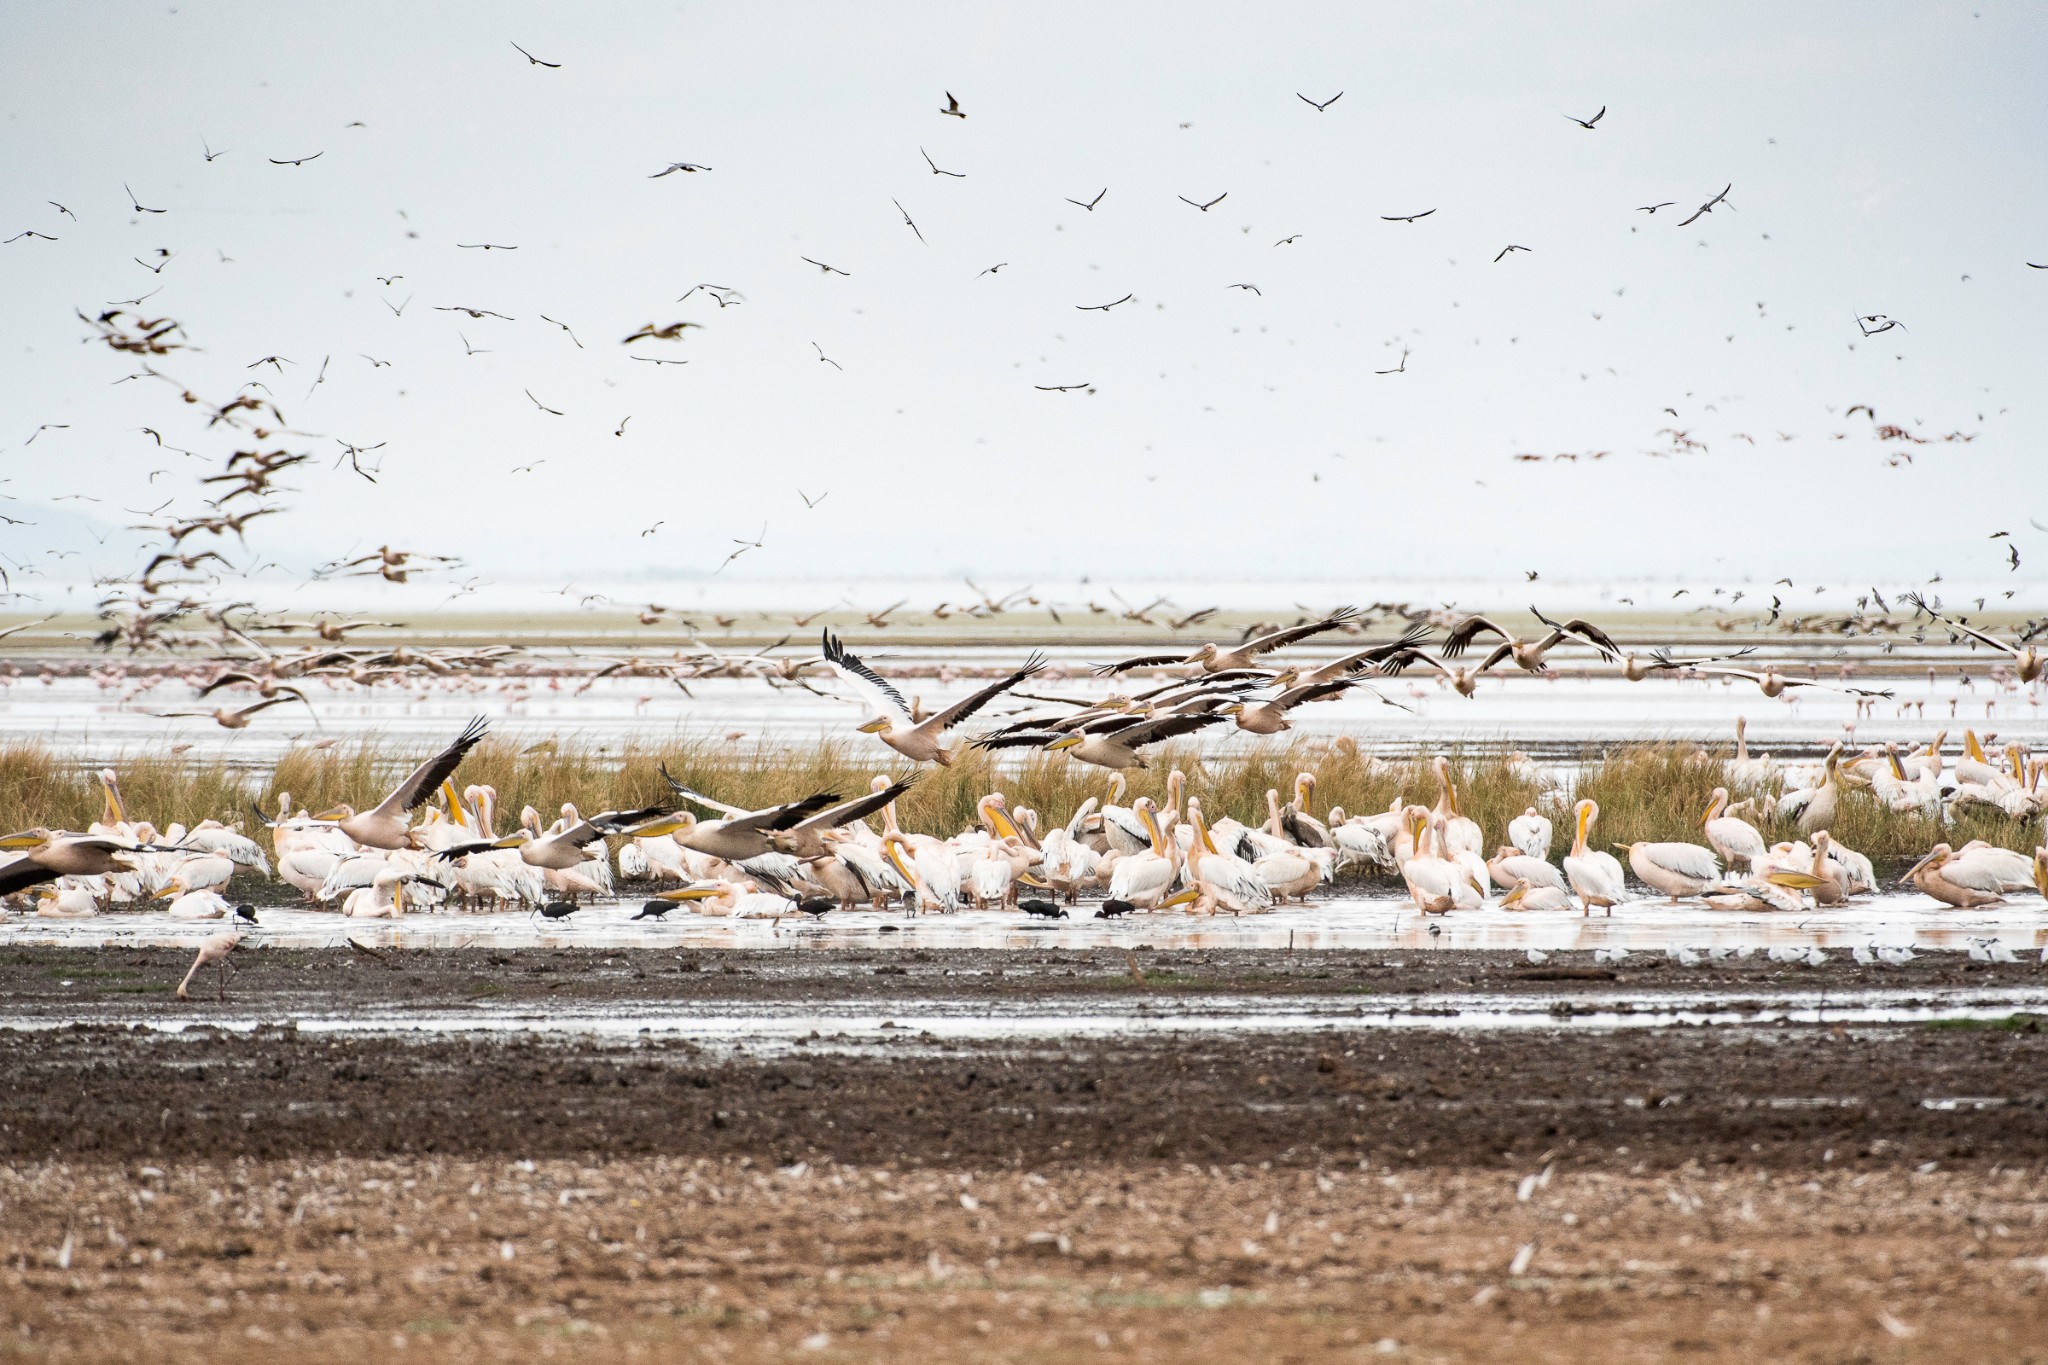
column 1763, row 1192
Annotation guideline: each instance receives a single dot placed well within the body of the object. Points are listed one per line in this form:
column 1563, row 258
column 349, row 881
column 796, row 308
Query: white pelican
column 1903, row 793
column 1531, row 833
column 383, row 898
column 1461, row 835
column 1269, row 716
column 1523, row 896
column 2028, row 660
column 1738, row 841
column 1223, row 878
column 47, row 856
column 930, row 868
column 1987, row 867
column 1594, row 874
column 1527, row 654
column 1143, row 879
column 1221, row 659
column 796, row 828
column 1774, row 890
column 1294, row 871
column 211, row 836
column 921, row 741
column 1676, row 869
column 1112, row 742
column 1774, row 684
column 1367, row 838
column 1744, row 770
column 1298, row 820
column 1436, row 883
column 204, row 872
column 385, row 826
column 1814, row 807
column 200, row 905
column 1511, row 867
column 67, row 902
column 1930, row 874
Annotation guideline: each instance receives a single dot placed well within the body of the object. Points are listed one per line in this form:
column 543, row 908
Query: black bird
column 1405, row 217
column 1319, row 107
column 531, row 58
column 1588, row 123
column 1090, row 205
column 1041, row 909
column 246, row 912
column 1708, row 207
column 654, row 910
column 1210, row 205
column 953, row 107
column 558, row 910
column 1112, row 909
column 817, row 907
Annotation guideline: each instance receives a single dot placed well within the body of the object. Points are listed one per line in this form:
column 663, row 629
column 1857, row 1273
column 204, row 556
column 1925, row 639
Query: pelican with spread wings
column 920, row 741
column 386, row 826
column 1214, row 658
column 1527, row 654
column 797, row 828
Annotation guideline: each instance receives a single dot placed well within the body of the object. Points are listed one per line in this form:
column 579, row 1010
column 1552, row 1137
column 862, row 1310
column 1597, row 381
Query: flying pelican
column 919, row 741
column 1112, row 743
column 560, row 850
column 385, row 826
column 49, row 855
column 1772, row 683
column 1269, row 717
column 2028, row 660
column 1214, row 658
column 239, row 719
column 1527, row 654
column 1595, row 875
column 1736, row 840
column 796, row 828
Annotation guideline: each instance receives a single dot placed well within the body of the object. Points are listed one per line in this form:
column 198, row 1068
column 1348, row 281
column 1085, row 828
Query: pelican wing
column 859, row 808
column 1687, row 860
column 603, row 823
column 1162, row 727
column 1140, row 661
column 426, row 779
column 866, row 681
column 1466, row 631
column 785, row 816
column 22, row 873
column 967, row 706
column 1308, row 692
column 688, row 795
column 1372, row 654
column 1017, row 739
column 1274, row 640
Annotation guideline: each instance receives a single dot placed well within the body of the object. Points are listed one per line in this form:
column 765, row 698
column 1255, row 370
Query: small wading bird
column 920, row 741
column 215, row 950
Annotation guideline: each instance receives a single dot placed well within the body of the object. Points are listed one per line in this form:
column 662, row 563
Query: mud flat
column 1456, row 1158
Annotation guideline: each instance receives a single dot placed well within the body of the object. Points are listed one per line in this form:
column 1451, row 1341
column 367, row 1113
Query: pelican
column 383, row 898
column 1116, row 743
column 385, row 826
column 48, row 855
column 1143, row 879
column 1121, row 830
column 1814, row 807
column 1774, row 684
column 1436, row 883
column 238, row 719
column 1986, row 867
column 1223, row 878
column 1774, row 890
column 1595, row 875
column 200, row 905
column 930, row 868
column 1511, row 867
column 2028, row 660
column 1903, row 793
column 1269, row 717
column 1359, row 660
column 1930, row 874
column 1531, row 833
column 561, row 850
column 1743, row 769
column 1464, row 681
column 1527, row 654
column 796, row 827
column 1676, row 869
column 1461, row 835
column 1738, row 841
column 1365, row 838
column 1219, row 659
column 1297, row 819
column 921, row 741
column 1523, row 896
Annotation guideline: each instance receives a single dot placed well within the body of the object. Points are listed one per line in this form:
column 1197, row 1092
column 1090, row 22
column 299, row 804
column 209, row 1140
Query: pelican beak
column 1907, row 875
column 398, row 897
column 1185, row 897
column 171, row 890
column 454, row 804
column 331, row 813
column 26, row 839
column 1064, row 742
column 1030, row 880
column 653, row 829
column 690, row 893
column 875, row 726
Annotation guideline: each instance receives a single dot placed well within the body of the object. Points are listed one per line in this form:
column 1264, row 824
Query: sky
column 1883, row 159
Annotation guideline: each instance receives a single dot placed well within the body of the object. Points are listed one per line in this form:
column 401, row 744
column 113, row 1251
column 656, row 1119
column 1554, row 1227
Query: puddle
column 862, row 1027
column 1377, row 922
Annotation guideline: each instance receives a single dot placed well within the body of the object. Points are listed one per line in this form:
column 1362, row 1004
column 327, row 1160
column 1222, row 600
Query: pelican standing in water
column 1736, row 840
column 1676, row 869
column 921, row 741
column 1595, row 874
column 1531, row 833
column 1928, row 875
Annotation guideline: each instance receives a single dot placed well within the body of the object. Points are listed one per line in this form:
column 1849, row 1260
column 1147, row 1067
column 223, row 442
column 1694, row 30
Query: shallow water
column 1368, row 923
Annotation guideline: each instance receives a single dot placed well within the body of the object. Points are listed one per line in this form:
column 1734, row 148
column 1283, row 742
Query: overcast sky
column 1884, row 159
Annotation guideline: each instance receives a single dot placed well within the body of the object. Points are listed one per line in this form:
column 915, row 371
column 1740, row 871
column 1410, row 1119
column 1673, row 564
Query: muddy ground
column 1807, row 1192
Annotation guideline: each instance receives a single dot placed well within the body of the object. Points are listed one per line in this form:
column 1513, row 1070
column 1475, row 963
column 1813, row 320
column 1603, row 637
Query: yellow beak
column 1064, row 742
column 877, row 726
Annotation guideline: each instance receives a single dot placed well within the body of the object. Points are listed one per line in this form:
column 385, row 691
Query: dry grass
column 1645, row 792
